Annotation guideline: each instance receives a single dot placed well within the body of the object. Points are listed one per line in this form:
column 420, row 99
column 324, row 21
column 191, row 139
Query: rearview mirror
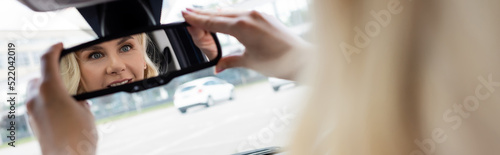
column 136, row 60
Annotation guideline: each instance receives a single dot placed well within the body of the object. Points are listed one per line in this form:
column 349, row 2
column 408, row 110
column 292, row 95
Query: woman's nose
column 115, row 66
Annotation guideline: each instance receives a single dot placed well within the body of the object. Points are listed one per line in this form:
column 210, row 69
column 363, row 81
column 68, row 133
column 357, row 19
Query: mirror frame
column 145, row 83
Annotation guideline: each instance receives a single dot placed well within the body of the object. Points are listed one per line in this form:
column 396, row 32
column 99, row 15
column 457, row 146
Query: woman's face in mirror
column 111, row 63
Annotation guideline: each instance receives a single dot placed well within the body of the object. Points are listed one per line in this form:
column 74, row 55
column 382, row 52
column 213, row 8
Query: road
column 257, row 117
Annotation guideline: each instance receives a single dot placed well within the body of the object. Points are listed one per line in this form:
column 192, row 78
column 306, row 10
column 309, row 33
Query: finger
column 50, row 62
column 225, row 13
column 196, row 33
column 210, row 23
column 33, row 125
column 204, row 41
column 31, row 94
column 33, row 88
column 229, row 62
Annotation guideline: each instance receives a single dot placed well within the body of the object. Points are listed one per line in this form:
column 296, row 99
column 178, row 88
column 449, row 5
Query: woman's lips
column 119, row 82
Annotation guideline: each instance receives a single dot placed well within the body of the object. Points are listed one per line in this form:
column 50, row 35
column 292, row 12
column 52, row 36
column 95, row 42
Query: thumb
column 33, row 89
column 229, row 62
column 50, row 66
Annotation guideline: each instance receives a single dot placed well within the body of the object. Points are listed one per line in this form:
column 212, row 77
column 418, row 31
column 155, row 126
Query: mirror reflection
column 135, row 57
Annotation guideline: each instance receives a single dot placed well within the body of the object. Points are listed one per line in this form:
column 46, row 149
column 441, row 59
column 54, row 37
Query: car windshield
column 187, row 88
column 242, row 111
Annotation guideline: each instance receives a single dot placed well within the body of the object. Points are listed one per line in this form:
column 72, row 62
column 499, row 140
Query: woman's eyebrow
column 97, row 47
column 124, row 39
column 91, row 48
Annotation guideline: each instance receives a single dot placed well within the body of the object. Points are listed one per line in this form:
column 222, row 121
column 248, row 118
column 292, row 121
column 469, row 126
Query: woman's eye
column 126, row 48
column 96, row 55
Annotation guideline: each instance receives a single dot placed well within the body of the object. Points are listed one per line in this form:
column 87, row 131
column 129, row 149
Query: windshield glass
column 187, row 88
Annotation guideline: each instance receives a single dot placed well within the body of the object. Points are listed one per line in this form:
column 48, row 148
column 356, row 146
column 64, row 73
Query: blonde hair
column 70, row 70
column 396, row 91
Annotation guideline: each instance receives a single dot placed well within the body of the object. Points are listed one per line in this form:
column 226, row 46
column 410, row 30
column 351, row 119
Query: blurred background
column 259, row 114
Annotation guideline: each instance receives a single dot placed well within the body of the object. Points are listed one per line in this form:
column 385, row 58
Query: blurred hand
column 61, row 124
column 269, row 48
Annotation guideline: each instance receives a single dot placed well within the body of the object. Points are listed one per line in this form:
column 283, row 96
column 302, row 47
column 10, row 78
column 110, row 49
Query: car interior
column 157, row 114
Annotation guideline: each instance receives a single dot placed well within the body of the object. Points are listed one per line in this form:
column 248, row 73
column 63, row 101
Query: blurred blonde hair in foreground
column 425, row 81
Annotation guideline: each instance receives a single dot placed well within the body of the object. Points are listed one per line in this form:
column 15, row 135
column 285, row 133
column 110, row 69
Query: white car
column 203, row 91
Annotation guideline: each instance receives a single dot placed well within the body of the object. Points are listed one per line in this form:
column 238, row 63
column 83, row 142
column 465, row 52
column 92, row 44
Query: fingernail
column 189, row 9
